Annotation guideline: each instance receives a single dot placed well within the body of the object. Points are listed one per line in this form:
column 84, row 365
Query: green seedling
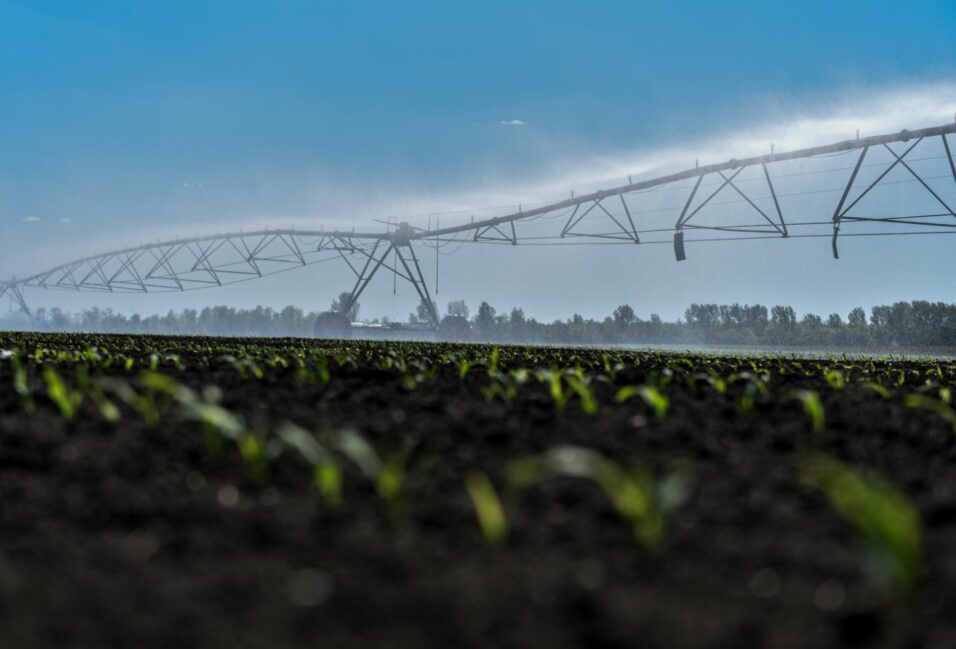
column 246, row 367
column 745, row 402
column 555, row 387
column 144, row 404
column 21, row 385
column 879, row 388
column 67, row 401
column 493, row 360
column 505, row 385
column 488, row 508
column 812, row 408
column 463, row 368
column 886, row 522
column 924, row 402
column 653, row 397
column 719, row 384
column 387, row 475
column 106, row 408
column 217, row 423
column 579, row 386
column 639, row 499
column 257, row 451
column 835, row 378
column 611, row 369
column 326, row 472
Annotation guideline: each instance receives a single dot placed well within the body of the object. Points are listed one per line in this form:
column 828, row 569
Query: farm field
column 226, row 492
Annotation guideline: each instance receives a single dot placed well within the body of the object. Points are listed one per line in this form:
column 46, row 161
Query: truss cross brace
column 16, row 293
column 843, row 208
column 408, row 269
column 779, row 226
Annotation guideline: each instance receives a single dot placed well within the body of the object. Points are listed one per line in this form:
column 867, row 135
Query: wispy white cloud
column 31, row 219
column 513, row 122
column 813, row 121
column 66, row 219
column 794, row 125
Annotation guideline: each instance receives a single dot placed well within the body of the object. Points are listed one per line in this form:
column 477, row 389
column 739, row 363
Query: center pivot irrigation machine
column 916, row 167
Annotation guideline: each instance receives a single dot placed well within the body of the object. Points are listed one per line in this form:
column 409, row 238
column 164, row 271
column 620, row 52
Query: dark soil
column 116, row 535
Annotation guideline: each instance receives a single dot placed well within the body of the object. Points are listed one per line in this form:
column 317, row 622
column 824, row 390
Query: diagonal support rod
column 629, row 234
column 776, row 203
column 630, row 220
column 949, row 156
column 690, row 199
column 418, row 282
column 878, row 178
column 362, row 280
column 16, row 293
column 840, row 212
column 921, row 181
column 750, row 202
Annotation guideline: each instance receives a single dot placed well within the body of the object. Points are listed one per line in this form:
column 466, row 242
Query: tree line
column 915, row 324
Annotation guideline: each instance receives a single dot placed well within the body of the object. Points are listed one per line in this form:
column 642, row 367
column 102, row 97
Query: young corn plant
column 21, row 384
column 464, row 366
column 488, row 508
column 144, row 404
column 643, row 502
column 67, row 400
column 218, row 424
column 245, row 366
column 938, row 406
column 835, row 378
column 651, row 396
column 107, row 409
column 577, row 385
column 326, row 472
column 812, row 408
column 580, row 386
column 505, row 385
column 886, row 523
column 387, row 474
column 878, row 388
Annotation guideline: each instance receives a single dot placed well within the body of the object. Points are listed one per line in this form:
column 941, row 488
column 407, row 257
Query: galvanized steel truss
column 221, row 259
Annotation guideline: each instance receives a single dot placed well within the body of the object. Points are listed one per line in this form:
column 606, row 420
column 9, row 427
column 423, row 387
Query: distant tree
column 755, row 317
column 517, row 322
column 916, row 323
column 880, row 316
column 702, row 315
column 783, row 316
column 624, row 316
column 857, row 317
column 339, row 304
column 59, row 321
column 458, row 308
column 423, row 314
column 485, row 319
column 517, row 316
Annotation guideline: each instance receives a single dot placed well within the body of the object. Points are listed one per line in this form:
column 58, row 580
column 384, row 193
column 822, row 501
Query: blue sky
column 124, row 120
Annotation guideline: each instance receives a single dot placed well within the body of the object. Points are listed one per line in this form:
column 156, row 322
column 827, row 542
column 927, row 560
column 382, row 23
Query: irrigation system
column 612, row 216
